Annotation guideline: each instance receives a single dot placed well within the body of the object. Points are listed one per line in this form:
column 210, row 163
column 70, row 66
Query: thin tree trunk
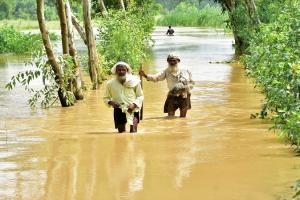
column 79, row 29
column 102, row 8
column 76, row 82
column 122, row 5
column 91, row 41
column 252, row 12
column 51, row 57
column 63, row 25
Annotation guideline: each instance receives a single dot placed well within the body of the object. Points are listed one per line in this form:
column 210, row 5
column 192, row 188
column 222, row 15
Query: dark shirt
column 170, row 31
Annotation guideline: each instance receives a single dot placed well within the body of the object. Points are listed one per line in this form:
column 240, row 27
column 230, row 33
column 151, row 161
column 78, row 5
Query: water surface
column 217, row 152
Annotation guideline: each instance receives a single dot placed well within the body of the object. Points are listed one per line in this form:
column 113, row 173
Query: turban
column 114, row 68
column 173, row 56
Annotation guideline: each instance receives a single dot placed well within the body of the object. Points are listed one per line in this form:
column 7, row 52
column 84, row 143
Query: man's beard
column 174, row 68
column 122, row 79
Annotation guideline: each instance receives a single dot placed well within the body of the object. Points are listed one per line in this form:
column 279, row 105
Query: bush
column 274, row 61
column 124, row 36
column 186, row 14
column 13, row 41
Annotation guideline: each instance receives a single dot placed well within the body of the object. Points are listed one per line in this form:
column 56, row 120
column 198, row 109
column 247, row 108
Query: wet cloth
column 125, row 94
column 120, row 117
column 174, row 79
column 174, row 102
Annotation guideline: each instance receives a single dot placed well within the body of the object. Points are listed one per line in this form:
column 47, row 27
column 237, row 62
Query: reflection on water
column 215, row 153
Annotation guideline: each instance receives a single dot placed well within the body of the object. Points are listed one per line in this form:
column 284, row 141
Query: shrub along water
column 274, row 61
column 186, row 14
column 124, row 36
column 13, row 41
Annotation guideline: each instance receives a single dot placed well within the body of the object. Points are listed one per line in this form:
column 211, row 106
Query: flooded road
column 217, row 152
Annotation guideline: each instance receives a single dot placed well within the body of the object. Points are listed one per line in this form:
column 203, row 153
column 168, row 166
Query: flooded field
column 217, row 152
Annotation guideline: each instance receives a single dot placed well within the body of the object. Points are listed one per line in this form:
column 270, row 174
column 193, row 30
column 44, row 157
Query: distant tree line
column 26, row 9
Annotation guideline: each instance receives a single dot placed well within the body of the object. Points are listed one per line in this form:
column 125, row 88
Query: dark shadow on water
column 163, row 118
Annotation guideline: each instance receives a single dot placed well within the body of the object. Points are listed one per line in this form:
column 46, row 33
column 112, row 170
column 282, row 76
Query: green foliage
column 5, row 9
column 269, row 10
column 13, row 41
column 124, row 36
column 171, row 4
column 242, row 26
column 26, row 9
column 297, row 187
column 274, row 61
column 186, row 14
column 47, row 95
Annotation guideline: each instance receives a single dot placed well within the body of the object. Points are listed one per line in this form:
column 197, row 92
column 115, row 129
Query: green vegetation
column 22, row 24
column 171, row 4
column 47, row 94
column 297, row 187
column 13, row 41
column 26, row 9
column 273, row 59
column 125, row 36
column 186, row 14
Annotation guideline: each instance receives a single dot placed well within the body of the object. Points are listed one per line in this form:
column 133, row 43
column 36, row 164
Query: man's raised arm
column 154, row 77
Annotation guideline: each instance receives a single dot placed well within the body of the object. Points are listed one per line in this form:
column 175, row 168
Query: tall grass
column 186, row 14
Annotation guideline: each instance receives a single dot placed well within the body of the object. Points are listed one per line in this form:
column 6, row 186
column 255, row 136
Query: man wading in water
column 170, row 31
column 124, row 93
column 179, row 82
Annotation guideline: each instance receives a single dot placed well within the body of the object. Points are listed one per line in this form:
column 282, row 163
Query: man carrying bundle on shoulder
column 180, row 83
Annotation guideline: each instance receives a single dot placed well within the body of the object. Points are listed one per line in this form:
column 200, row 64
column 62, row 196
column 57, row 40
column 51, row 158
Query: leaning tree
column 238, row 19
column 56, row 67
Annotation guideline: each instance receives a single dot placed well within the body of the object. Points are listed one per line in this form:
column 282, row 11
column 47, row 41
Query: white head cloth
column 114, row 68
column 173, row 55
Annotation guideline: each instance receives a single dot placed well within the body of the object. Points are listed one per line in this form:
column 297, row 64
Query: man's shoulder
column 111, row 82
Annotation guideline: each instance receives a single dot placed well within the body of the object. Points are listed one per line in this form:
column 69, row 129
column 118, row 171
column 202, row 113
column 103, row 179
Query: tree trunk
column 76, row 81
column 122, row 5
column 91, row 43
column 51, row 57
column 252, row 12
column 79, row 29
column 63, row 25
column 102, row 8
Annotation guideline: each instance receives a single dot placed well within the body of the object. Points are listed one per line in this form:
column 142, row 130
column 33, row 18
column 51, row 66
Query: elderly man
column 179, row 82
column 124, row 94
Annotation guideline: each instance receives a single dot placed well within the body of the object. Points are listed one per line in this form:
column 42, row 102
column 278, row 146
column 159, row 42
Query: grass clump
column 186, row 14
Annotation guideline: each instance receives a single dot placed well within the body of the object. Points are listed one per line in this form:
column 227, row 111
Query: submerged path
column 217, row 152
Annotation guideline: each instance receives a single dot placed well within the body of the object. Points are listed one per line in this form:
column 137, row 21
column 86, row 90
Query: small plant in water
column 47, row 96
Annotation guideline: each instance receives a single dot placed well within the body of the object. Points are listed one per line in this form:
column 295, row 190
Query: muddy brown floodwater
column 217, row 152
